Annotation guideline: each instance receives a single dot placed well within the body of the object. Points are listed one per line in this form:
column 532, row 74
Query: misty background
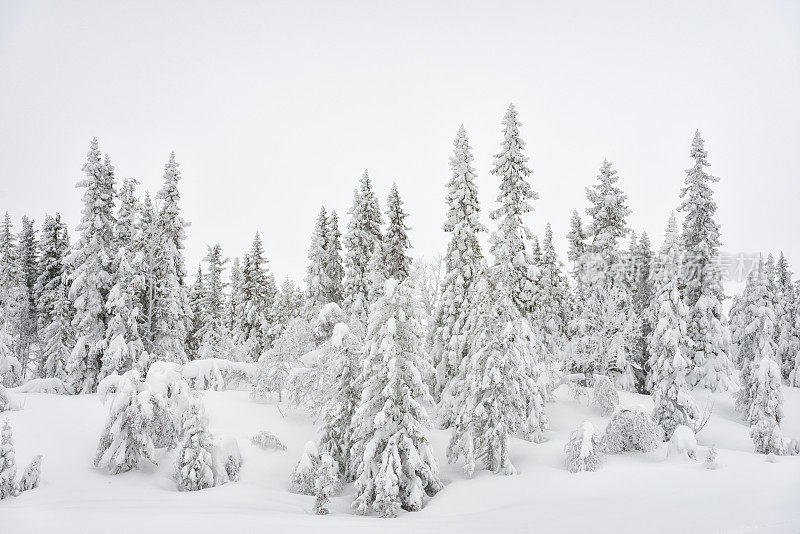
column 276, row 108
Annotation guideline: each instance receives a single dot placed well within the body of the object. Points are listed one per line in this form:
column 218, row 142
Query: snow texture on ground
column 633, row 492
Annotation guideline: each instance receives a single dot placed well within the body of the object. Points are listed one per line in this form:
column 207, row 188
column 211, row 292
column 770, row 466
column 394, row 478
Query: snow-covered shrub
column 5, row 400
column 631, row 430
column 604, row 395
column 309, row 383
column 10, row 368
column 171, row 398
column 326, row 484
column 194, row 464
column 127, row 439
column 267, row 440
column 30, row 477
column 303, row 478
column 711, row 458
column 226, row 459
column 582, row 449
column 217, row 373
column 8, row 465
column 793, row 447
column 274, row 366
column 52, row 386
column 683, row 441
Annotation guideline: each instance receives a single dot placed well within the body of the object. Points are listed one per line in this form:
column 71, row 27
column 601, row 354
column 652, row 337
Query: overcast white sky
column 274, row 108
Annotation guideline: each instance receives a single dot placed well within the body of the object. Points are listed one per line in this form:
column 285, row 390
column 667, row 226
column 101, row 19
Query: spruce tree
column 608, row 210
column 196, row 297
column 258, row 296
column 28, row 308
column 702, row 280
column 171, row 311
column 55, row 309
column 214, row 332
column 496, row 393
column 362, row 241
column 336, row 436
column 194, row 464
column 288, row 305
column 397, row 262
column 787, row 316
column 146, row 251
column 396, row 466
column 508, row 241
column 90, row 271
column 8, row 463
column 552, row 301
column 766, row 406
column 333, row 264
column 643, row 294
column 755, row 336
column 461, row 262
column 669, row 343
column 318, row 284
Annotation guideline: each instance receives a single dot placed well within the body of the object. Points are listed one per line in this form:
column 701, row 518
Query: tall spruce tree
column 171, row 311
column 333, row 264
column 214, row 332
column 462, row 261
column 318, row 283
column 27, row 320
column 258, row 293
column 55, row 309
column 508, row 241
column 90, row 271
column 643, row 295
column 397, row 262
column 702, row 280
column 669, row 343
column 397, row 467
column 362, row 241
column 124, row 348
column 787, row 316
column 197, row 295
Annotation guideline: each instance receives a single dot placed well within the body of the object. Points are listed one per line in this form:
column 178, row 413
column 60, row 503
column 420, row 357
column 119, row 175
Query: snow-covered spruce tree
column 333, row 264
column 124, row 345
column 234, row 312
column 631, row 430
column 304, row 474
column 397, row 262
column 396, row 466
column 10, row 368
column 551, row 315
column 794, row 366
column 496, row 393
column 127, row 439
column 8, row 258
column 606, row 328
column 642, row 297
column 90, row 272
column 362, row 239
column 576, row 253
column 326, row 483
column 288, row 305
column 787, row 317
column 336, row 434
column 145, row 248
column 171, row 311
column 193, row 466
column 605, row 335
column 508, row 241
column 669, row 343
column 766, row 406
column 28, row 307
column 582, row 449
column 5, row 401
column 258, row 296
column 604, row 395
column 30, row 477
column 214, row 332
column 196, row 296
column 461, row 262
column 317, row 282
column 755, row 336
column 8, row 464
column 702, row 281
column 55, row 309
column 608, row 210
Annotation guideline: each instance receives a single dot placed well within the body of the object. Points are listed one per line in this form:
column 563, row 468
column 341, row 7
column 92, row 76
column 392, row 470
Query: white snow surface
column 632, row 492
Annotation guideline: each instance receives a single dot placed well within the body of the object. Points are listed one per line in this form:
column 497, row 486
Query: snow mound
column 52, row 386
column 683, row 442
column 226, row 459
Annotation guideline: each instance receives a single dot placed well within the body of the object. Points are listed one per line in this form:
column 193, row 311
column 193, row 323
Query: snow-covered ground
column 633, row 492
